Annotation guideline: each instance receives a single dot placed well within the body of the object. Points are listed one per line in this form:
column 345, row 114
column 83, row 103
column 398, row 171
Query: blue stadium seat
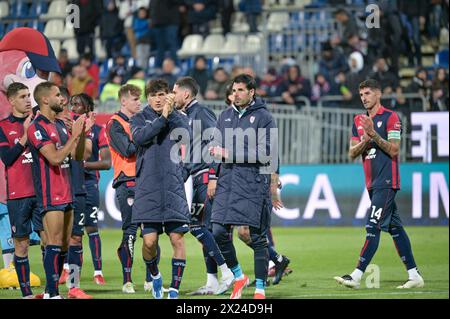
column 104, row 68
column 18, row 9
column 441, row 59
column 38, row 8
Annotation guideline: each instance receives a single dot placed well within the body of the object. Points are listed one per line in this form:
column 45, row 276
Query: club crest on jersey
column 379, row 123
column 252, row 119
column 16, row 141
column 190, row 122
column 38, row 135
column 65, row 131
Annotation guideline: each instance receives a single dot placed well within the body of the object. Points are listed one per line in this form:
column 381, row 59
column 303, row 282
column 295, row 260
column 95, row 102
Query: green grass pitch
column 317, row 254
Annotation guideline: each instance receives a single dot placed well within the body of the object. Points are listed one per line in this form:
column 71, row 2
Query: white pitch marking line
column 371, row 294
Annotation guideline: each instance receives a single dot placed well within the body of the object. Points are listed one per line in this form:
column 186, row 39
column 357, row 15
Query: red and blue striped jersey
column 380, row 169
column 18, row 171
column 52, row 183
column 99, row 141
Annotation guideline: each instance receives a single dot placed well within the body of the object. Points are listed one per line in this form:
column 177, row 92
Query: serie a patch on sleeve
column 394, row 135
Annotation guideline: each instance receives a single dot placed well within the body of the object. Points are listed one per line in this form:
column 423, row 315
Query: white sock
column 357, row 274
column 279, row 258
column 212, row 281
column 74, row 278
column 413, row 273
column 260, row 291
column 226, row 272
column 66, row 266
column 7, row 259
column 98, row 272
column 271, row 264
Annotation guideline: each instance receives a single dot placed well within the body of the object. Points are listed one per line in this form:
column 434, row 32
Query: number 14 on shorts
column 375, row 215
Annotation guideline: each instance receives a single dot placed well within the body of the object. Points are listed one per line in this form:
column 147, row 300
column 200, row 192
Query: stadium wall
column 334, row 195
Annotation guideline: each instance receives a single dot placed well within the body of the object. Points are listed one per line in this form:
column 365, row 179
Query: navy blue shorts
column 22, row 213
column 65, row 208
column 125, row 198
column 79, row 215
column 169, row 227
column 92, row 204
column 201, row 207
column 383, row 212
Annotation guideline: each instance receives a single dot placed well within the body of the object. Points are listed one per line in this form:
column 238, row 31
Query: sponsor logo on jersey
column 227, row 120
column 13, row 133
column 371, row 154
column 28, row 158
column 66, row 163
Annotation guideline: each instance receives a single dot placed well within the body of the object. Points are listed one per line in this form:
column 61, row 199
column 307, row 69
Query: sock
column 98, row 272
column 403, row 246
column 152, row 267
column 370, row 247
column 261, row 261
column 273, row 255
column 126, row 259
column 211, row 265
column 270, row 240
column 148, row 273
column 271, row 264
column 95, row 244
column 260, row 285
column 413, row 273
column 75, row 260
column 226, row 272
column 357, row 274
column 237, row 272
column 177, row 272
column 51, row 266
column 205, row 237
column 212, row 281
column 62, row 262
column 23, row 274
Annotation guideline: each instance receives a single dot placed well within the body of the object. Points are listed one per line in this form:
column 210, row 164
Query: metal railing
column 311, row 134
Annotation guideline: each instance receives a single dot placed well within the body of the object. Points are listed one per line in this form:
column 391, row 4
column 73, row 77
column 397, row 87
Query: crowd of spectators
column 143, row 28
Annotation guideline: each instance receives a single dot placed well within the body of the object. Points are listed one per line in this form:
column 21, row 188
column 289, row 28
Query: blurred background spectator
column 217, row 86
column 200, row 73
column 111, row 29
